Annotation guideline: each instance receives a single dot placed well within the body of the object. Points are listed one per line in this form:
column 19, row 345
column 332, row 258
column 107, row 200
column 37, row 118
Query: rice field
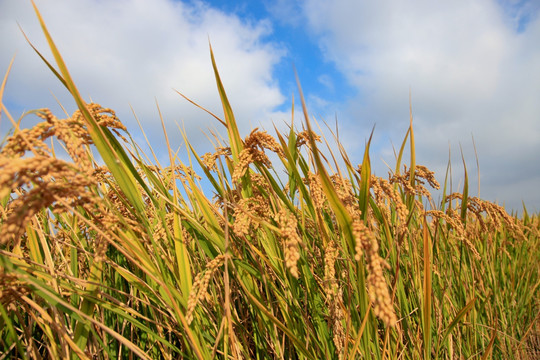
column 128, row 258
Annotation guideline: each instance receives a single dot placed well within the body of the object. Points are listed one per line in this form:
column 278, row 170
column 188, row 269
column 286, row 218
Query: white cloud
column 134, row 51
column 285, row 11
column 472, row 68
column 469, row 69
column 326, row 81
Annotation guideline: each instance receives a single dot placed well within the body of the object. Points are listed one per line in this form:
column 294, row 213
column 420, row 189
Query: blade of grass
column 456, row 320
column 49, row 65
column 182, row 257
column 107, row 145
column 490, row 345
column 477, row 164
column 358, row 337
column 11, row 333
column 255, row 302
column 235, row 141
column 342, row 215
column 401, row 150
column 365, row 180
column 3, row 86
column 345, row 220
column 410, row 198
column 234, row 136
column 54, row 299
column 426, row 318
column 465, row 198
column 202, row 108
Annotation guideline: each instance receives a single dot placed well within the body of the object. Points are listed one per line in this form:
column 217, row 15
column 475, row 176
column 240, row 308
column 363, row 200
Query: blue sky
column 471, row 68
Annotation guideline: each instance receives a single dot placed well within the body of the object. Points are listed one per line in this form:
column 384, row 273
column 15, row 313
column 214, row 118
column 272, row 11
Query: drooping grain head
column 291, row 240
column 367, row 246
column 200, row 286
column 254, row 146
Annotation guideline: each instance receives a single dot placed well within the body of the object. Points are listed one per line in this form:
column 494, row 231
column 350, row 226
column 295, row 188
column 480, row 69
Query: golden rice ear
column 200, row 286
column 289, row 231
column 367, row 246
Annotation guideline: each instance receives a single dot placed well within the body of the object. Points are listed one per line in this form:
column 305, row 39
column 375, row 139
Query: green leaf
column 456, row 320
column 365, row 180
column 234, row 136
column 107, row 145
column 426, row 308
column 342, row 215
column 465, row 197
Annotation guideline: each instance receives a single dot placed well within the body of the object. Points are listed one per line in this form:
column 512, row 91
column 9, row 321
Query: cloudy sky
column 471, row 67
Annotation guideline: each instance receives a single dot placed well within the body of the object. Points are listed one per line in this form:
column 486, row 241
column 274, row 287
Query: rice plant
column 126, row 258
